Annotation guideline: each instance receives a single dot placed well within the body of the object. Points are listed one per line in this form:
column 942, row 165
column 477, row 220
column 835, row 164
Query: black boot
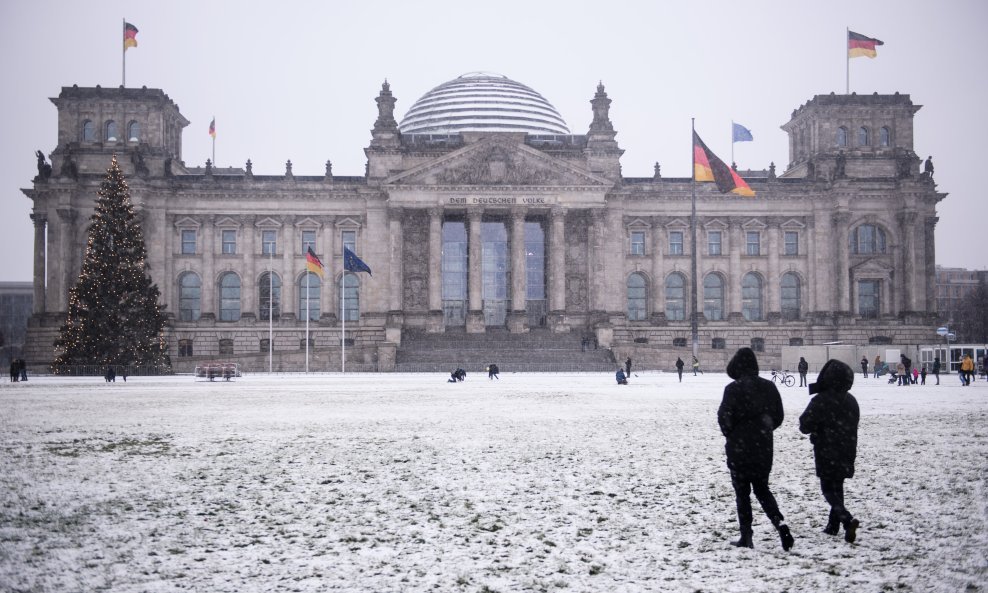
column 745, row 541
column 832, row 528
column 786, row 536
column 851, row 530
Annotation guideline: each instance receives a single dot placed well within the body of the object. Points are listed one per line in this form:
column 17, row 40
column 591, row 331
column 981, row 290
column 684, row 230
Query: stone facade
column 839, row 247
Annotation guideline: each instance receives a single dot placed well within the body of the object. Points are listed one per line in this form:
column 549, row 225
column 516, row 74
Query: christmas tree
column 114, row 316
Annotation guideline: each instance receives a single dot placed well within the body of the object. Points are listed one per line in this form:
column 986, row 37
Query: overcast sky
column 297, row 80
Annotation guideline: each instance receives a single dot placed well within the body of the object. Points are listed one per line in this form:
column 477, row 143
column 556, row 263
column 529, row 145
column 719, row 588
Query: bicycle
column 784, row 377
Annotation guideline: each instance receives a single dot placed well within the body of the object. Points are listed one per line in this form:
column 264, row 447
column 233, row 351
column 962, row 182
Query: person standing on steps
column 803, row 367
column 749, row 413
column 831, row 419
column 679, row 368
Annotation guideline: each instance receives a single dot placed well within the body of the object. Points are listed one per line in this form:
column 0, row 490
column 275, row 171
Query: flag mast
column 214, row 140
column 270, row 306
column 343, row 317
column 694, row 330
column 308, row 297
column 847, row 61
column 123, row 53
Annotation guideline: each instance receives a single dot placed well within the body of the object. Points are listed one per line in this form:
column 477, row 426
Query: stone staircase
column 539, row 350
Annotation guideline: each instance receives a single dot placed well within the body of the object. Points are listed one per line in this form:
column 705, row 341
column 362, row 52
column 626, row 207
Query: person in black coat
column 803, row 367
column 936, row 369
column 679, row 368
column 864, row 366
column 750, row 411
column 627, row 367
column 831, row 420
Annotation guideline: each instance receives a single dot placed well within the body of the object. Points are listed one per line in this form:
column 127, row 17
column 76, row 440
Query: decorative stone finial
column 771, row 170
column 658, row 171
column 385, row 110
column 250, row 169
column 329, row 170
column 288, row 168
column 209, row 168
column 601, row 108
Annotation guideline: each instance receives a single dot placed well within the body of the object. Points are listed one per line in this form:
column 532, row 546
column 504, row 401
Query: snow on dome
column 482, row 102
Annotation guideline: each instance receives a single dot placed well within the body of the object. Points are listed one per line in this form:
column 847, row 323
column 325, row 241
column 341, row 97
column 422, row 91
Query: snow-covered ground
column 536, row 482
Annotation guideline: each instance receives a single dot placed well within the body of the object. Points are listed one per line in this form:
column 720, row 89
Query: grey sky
column 297, row 80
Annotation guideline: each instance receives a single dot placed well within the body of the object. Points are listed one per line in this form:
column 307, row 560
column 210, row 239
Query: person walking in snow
column 864, row 366
column 936, row 368
column 679, row 368
column 831, row 419
column 749, row 412
column 803, row 367
column 696, row 366
column 627, row 367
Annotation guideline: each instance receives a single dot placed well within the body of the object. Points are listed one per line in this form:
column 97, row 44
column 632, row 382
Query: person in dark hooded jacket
column 750, row 411
column 831, row 420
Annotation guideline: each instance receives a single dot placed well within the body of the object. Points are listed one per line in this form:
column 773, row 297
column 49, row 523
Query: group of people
column 18, row 370
column 751, row 410
column 460, row 374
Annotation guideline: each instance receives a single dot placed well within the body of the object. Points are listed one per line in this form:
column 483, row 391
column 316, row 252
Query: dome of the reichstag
column 482, row 102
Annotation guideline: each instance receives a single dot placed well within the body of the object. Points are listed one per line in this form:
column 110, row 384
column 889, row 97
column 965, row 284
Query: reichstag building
column 483, row 215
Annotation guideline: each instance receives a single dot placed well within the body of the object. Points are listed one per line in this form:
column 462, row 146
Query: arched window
column 713, row 297
column 230, row 297
column 751, row 297
column 884, row 137
column 309, row 287
column 867, row 239
column 111, row 131
column 189, row 297
column 790, row 296
column 88, row 131
column 676, row 297
column 864, row 138
column 134, row 132
column 637, row 297
column 269, row 296
column 351, row 296
column 842, row 136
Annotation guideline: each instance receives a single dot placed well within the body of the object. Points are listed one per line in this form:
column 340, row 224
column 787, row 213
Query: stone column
column 733, row 288
column 334, row 264
column 209, row 297
column 67, row 257
column 657, row 291
column 596, row 272
column 810, row 287
column 249, row 281
column 773, row 284
column 930, row 263
column 907, row 271
column 40, row 222
column 557, row 269
column 475, row 312
column 517, row 317
column 395, row 290
column 289, row 301
column 842, row 274
column 435, row 270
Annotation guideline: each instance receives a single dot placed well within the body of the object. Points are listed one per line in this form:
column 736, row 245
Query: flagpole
column 732, row 143
column 214, row 140
column 847, row 61
column 343, row 317
column 270, row 306
column 307, row 298
column 123, row 46
column 694, row 330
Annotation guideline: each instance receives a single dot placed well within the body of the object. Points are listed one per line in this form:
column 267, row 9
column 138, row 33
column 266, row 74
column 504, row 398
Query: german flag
column 212, row 128
column 707, row 167
column 313, row 263
column 130, row 36
column 860, row 46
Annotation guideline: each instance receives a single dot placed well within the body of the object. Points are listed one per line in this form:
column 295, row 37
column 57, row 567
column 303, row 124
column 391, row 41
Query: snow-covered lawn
column 536, row 482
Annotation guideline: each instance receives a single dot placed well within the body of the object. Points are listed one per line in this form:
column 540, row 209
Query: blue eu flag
column 741, row 133
column 352, row 263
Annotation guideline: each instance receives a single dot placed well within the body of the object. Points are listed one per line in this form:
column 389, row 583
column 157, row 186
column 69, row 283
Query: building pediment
column 497, row 161
column 677, row 223
column 754, row 225
column 792, row 225
column 268, row 222
column 348, row 223
column 872, row 266
column 227, row 222
column 715, row 225
column 638, row 224
column 187, row 222
column 308, row 222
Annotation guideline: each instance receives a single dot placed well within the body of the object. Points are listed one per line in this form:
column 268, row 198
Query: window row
column 864, row 136
column 868, row 297
column 110, row 131
column 715, row 243
column 186, row 346
column 189, row 243
column 269, row 303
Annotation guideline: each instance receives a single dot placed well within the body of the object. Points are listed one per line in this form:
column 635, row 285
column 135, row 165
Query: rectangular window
column 637, row 243
column 714, row 243
column 185, row 347
column 309, row 241
column 269, row 242
column 753, row 243
column 229, row 242
column 189, row 242
column 791, row 243
column 869, row 298
column 675, row 242
column 350, row 240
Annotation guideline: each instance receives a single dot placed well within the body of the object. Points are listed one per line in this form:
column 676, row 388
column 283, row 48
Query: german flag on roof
column 859, row 45
column 707, row 167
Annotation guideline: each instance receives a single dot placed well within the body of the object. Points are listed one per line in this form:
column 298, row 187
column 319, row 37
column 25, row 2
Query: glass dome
column 482, row 102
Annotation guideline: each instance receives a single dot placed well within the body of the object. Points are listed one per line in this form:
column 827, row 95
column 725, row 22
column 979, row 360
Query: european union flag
column 741, row 133
column 352, row 263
